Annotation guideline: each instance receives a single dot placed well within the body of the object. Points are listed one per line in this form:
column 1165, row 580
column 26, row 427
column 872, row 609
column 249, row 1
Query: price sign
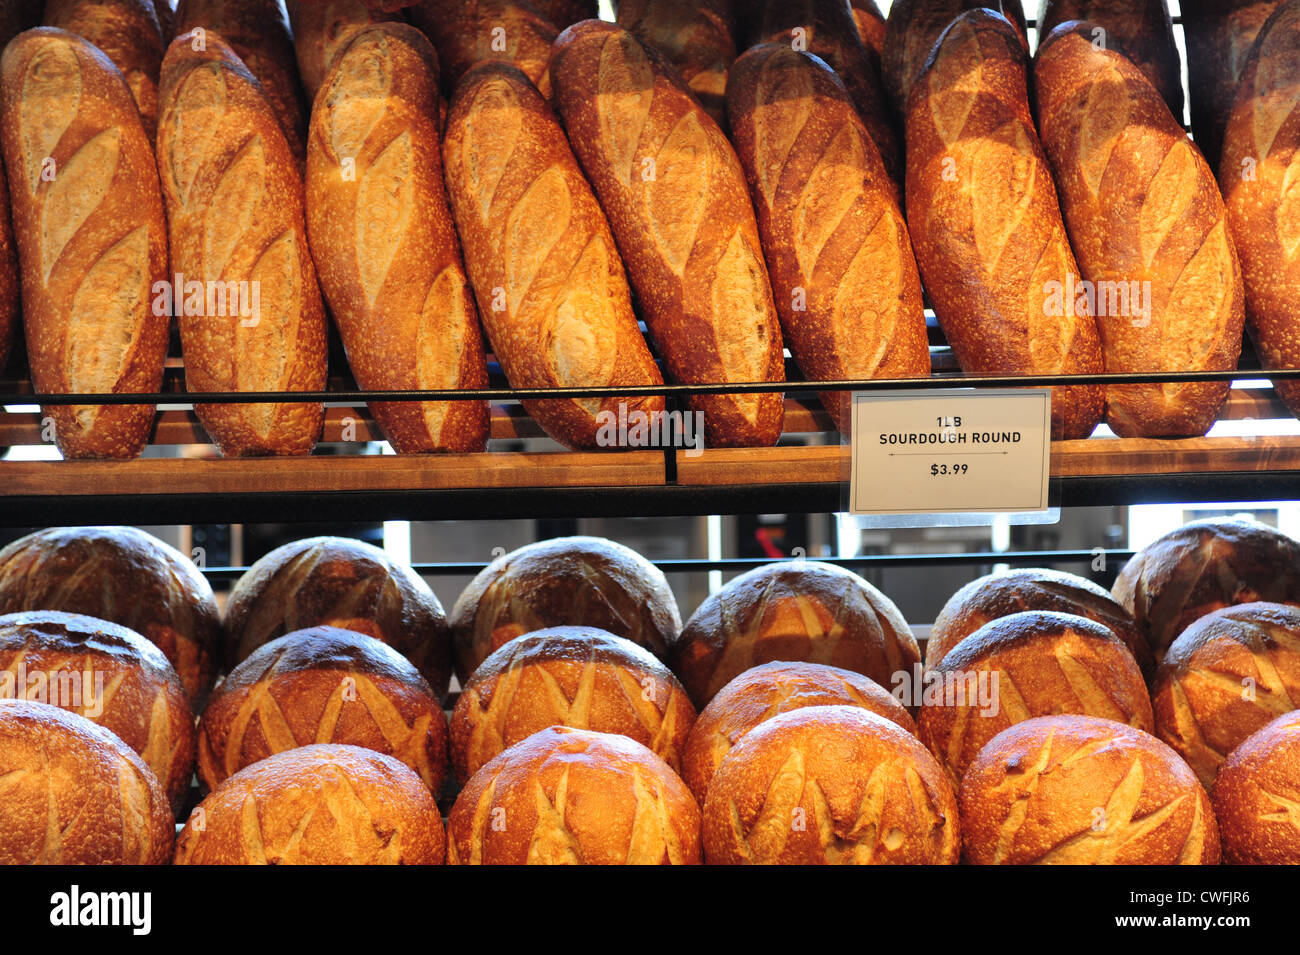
column 961, row 451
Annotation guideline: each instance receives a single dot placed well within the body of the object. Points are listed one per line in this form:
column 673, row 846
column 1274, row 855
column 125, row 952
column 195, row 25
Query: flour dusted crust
column 837, row 248
column 570, row 796
column 382, row 235
column 1077, row 790
column 1141, row 205
column 91, row 234
column 985, row 222
column 235, row 210
column 830, row 785
column 75, row 794
column 676, row 199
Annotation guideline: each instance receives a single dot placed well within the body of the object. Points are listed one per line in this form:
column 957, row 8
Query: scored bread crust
column 1141, row 205
column 1257, row 799
column 546, row 272
column 985, row 221
column 1201, row 567
column 128, row 577
column 466, row 32
column 569, row 676
column 92, row 237
column 258, row 32
column 838, row 251
column 1226, row 676
column 1258, row 177
column 75, row 793
column 794, row 610
column 129, row 34
column 565, row 581
column 680, row 210
column 323, row 685
column 324, row 804
column 769, row 690
column 1077, row 790
column 695, row 36
column 382, row 237
column 1002, row 594
column 1034, row 663
column 322, row 30
column 572, row 796
column 235, row 210
column 133, row 691
column 830, row 785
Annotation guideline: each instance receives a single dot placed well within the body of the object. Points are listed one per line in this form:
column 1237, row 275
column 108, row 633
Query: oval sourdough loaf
column 383, row 240
column 837, row 248
column 676, row 199
column 546, row 272
column 128, row 33
column 466, row 32
column 1148, row 226
column 1260, row 178
column 1257, row 797
column 322, row 29
column 92, row 237
column 986, row 224
column 235, row 210
column 695, row 36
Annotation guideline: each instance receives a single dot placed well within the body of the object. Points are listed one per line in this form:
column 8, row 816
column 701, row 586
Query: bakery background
column 746, row 509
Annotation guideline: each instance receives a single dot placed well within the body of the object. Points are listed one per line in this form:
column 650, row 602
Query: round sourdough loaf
column 567, row 581
column 1225, row 677
column 345, row 583
column 571, row 796
column 569, row 676
column 127, row 577
column 1203, row 566
column 324, row 804
column 830, row 784
column 72, row 793
column 999, row 595
column 803, row 611
column 110, row 675
column 1035, row 663
column 1257, row 797
column 769, row 690
column 1078, row 790
column 323, row 685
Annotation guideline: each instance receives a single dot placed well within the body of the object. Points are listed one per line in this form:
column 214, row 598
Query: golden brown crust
column 546, row 272
column 92, row 237
column 1141, row 29
column 677, row 201
column 1035, row 663
column 830, row 785
column 871, row 27
column 339, row 582
column 1258, row 176
column 1141, row 206
column 381, row 232
column 1079, row 790
column 571, row 796
column 1257, row 797
column 695, row 36
column 235, row 210
column 322, row 30
column 1201, row 567
column 985, row 221
column 766, row 691
column 10, row 278
column 999, row 595
column 125, row 576
column 796, row 611
column 75, row 794
column 258, row 32
column 323, row 685
column 569, row 676
column 466, row 32
column 324, row 804
column 110, row 675
column 837, row 248
column 1225, row 677
column 565, row 581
